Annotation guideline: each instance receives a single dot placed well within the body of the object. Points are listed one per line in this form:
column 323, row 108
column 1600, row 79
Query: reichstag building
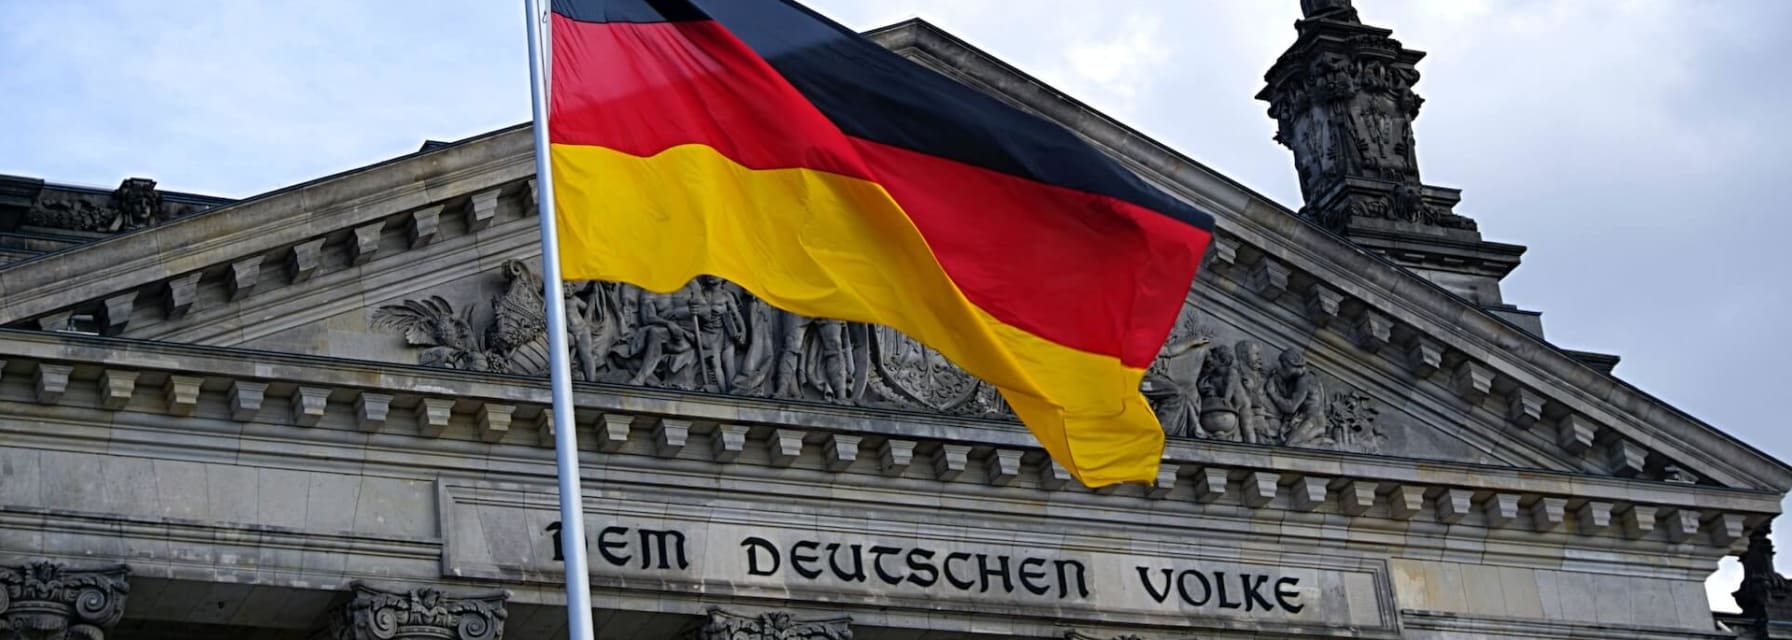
column 321, row 412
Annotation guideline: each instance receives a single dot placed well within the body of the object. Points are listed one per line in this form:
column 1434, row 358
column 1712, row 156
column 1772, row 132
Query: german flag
column 758, row 141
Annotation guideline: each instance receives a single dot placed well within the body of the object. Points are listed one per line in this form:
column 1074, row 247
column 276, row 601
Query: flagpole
column 566, row 444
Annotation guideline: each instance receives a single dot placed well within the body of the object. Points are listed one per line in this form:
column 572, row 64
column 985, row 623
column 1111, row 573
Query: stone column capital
column 45, row 600
column 772, row 625
column 417, row 614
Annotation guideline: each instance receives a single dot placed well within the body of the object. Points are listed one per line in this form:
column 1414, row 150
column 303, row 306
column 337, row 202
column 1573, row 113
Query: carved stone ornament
column 135, row 204
column 1765, row 595
column 419, row 614
column 1343, row 100
column 712, row 336
column 48, row 601
column 1204, row 387
column 1078, row 635
column 774, row 625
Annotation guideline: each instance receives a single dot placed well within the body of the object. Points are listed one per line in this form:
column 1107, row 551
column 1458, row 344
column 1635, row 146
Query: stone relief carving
column 419, row 614
column 774, row 625
column 135, row 204
column 712, row 336
column 49, row 601
column 709, row 336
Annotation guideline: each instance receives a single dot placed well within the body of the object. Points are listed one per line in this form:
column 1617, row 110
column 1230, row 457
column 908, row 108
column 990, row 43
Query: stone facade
column 321, row 414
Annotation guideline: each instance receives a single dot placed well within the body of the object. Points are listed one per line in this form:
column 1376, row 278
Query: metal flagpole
column 566, row 447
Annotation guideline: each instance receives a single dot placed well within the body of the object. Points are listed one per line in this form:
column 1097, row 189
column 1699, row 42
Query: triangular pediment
column 1292, row 338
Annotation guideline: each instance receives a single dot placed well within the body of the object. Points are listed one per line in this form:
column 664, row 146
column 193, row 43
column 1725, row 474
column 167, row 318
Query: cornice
column 294, row 400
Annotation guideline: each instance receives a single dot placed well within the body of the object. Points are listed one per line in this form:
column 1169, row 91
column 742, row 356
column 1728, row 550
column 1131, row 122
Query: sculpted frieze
column 712, row 336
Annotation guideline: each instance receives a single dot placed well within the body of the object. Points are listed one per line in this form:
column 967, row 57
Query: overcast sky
column 1640, row 149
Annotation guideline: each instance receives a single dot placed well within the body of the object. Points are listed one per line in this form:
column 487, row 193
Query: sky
column 1638, row 147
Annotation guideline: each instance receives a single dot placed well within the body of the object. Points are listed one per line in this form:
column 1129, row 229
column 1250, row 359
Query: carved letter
column 796, row 561
column 1252, row 593
column 858, row 563
column 952, row 577
column 877, row 564
column 922, row 566
column 1286, row 594
column 1001, row 571
column 1145, row 579
column 1219, row 578
column 1182, row 587
column 604, row 545
column 651, row 540
column 1026, row 578
column 1082, row 581
column 754, row 545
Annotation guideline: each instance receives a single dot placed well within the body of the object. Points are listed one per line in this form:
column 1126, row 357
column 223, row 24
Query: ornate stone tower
column 1342, row 96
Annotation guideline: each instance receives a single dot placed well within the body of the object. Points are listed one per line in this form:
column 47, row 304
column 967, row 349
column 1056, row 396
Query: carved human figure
column 754, row 375
column 1300, row 398
column 1174, row 397
column 138, row 204
column 715, row 312
column 1255, row 411
column 666, row 336
column 1221, row 394
column 579, row 312
column 833, row 377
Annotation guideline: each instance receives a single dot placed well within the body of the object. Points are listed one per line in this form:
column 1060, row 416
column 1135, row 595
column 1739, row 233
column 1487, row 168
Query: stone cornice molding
column 264, row 224
column 633, row 423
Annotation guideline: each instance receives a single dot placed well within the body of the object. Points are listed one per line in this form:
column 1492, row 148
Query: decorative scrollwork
column 419, row 614
column 49, row 601
column 773, row 625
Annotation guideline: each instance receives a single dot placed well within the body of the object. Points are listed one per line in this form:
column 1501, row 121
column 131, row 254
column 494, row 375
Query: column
column 772, row 625
column 418, row 614
column 45, row 600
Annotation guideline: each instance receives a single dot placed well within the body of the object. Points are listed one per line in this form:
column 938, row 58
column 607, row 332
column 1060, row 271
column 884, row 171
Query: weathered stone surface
column 243, row 276
column 894, row 456
column 728, row 442
column 245, row 399
column 433, row 415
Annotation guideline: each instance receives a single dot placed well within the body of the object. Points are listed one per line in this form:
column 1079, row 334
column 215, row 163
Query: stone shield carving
column 48, row 601
column 913, row 373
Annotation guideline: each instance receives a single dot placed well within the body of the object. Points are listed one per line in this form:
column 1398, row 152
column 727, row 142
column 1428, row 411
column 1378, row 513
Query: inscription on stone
column 733, row 552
